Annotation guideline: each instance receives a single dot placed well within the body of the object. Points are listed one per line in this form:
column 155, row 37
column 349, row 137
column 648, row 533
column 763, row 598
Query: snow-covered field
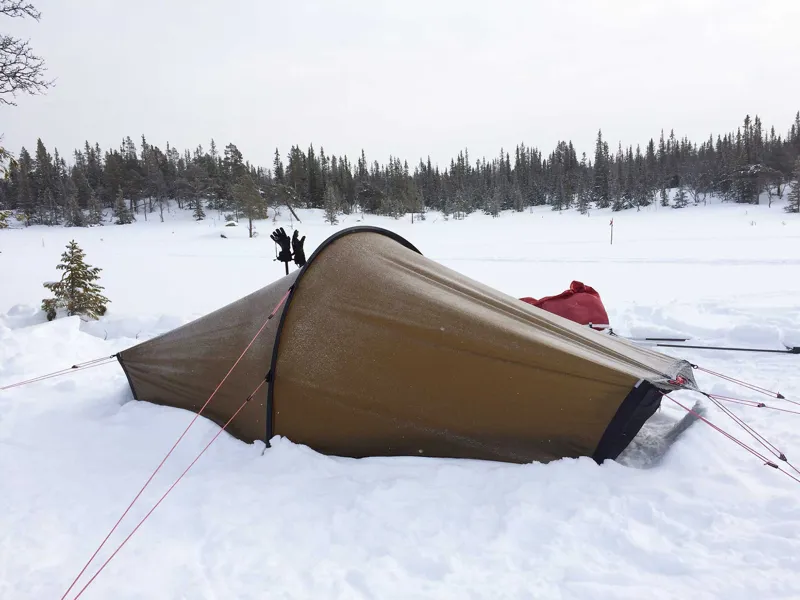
column 707, row 521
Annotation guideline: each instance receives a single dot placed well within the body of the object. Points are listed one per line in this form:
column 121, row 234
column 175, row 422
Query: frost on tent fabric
column 380, row 351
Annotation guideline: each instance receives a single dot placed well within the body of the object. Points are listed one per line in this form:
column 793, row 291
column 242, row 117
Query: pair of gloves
column 279, row 237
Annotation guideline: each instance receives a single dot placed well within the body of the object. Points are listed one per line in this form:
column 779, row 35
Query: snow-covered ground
column 707, row 521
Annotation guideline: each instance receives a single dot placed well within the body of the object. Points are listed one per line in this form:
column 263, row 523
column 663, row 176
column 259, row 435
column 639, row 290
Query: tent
column 377, row 350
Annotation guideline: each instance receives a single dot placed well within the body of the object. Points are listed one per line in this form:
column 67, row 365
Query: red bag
column 580, row 303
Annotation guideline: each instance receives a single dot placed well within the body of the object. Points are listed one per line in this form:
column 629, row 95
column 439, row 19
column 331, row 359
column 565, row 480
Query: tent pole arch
column 270, row 411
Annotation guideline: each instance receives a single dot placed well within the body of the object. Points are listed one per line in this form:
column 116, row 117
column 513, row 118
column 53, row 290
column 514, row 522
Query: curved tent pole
column 270, row 416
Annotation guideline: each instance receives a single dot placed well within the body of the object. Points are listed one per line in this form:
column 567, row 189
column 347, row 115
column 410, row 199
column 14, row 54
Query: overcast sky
column 410, row 78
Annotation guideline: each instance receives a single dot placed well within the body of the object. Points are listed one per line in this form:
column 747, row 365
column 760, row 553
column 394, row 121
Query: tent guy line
column 767, row 461
column 161, row 464
column 161, row 499
column 756, row 404
column 97, row 362
column 772, row 448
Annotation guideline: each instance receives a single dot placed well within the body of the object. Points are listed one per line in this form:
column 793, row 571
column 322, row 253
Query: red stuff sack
column 580, row 303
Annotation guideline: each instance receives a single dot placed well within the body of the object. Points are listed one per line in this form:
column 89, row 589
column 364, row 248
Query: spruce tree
column 248, row 197
column 495, row 202
column 600, row 193
column 95, row 210
column 277, row 167
column 794, row 196
column 74, row 215
column 681, row 199
column 199, row 214
column 629, row 187
column 4, row 219
column 121, row 211
column 332, row 201
column 75, row 291
column 664, row 196
column 584, row 187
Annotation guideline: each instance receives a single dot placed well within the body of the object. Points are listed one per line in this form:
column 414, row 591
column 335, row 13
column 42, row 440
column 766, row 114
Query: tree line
column 139, row 181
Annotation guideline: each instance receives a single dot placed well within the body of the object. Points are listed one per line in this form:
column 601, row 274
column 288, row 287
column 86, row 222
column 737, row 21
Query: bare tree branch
column 21, row 71
column 18, row 8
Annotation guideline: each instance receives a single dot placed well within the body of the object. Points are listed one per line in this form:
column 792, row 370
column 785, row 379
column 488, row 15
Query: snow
column 705, row 520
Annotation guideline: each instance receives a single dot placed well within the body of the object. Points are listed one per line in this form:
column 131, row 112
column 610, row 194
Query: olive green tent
column 375, row 350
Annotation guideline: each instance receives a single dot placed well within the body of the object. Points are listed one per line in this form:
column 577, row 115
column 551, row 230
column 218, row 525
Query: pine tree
column 121, row 211
column 75, row 291
column 600, row 193
column 794, row 196
column 49, row 208
column 629, row 188
column 249, row 199
column 495, row 202
column 277, row 167
column 4, row 219
column 584, row 186
column 199, row 214
column 664, row 196
column 332, row 201
column 74, row 215
column 681, row 199
column 95, row 210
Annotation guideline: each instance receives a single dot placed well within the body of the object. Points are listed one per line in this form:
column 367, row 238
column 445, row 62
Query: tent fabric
column 183, row 367
column 380, row 351
column 580, row 303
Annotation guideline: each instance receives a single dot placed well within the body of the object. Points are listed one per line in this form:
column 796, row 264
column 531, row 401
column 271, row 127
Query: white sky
column 407, row 78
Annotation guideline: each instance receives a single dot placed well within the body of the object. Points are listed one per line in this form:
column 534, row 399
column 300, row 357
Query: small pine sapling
column 75, row 291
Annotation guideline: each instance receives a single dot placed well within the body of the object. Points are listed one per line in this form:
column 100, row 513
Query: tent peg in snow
column 379, row 351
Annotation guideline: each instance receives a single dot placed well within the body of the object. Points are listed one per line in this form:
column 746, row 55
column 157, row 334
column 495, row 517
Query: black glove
column 297, row 246
column 279, row 237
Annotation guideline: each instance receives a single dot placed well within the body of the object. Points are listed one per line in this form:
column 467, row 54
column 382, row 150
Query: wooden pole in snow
column 612, row 231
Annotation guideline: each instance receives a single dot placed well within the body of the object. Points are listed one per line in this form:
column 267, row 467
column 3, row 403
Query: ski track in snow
column 703, row 519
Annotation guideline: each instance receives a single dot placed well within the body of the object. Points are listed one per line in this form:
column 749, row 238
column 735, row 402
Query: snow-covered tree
column 75, row 291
